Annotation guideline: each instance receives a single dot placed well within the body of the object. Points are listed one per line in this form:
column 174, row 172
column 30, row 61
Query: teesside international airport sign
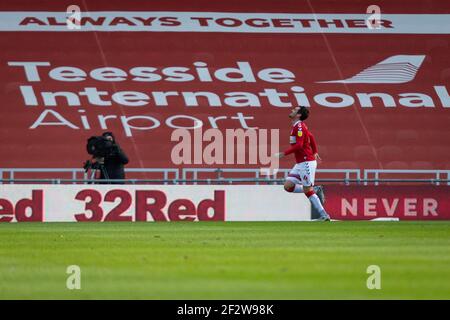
column 396, row 69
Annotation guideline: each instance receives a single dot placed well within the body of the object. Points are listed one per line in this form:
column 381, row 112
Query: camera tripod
column 94, row 167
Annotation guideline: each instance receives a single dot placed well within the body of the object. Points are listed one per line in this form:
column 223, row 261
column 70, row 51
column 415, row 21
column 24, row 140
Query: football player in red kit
column 301, row 177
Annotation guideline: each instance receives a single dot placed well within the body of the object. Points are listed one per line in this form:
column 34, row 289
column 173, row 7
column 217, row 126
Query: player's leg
column 317, row 189
column 293, row 182
column 307, row 174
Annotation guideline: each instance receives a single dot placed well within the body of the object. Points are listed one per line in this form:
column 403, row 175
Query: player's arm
column 299, row 141
column 294, row 147
column 313, row 144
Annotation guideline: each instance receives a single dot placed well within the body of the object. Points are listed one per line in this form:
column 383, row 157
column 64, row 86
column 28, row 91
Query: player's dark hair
column 303, row 112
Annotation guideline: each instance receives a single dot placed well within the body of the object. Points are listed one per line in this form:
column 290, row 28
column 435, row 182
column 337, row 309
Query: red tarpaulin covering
column 379, row 98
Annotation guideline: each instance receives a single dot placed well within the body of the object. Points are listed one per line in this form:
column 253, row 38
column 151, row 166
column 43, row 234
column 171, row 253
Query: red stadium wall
column 412, row 132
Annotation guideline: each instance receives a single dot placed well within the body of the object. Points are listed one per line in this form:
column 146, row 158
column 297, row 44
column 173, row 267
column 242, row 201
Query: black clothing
column 114, row 164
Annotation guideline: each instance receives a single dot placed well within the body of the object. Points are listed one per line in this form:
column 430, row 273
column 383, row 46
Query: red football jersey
column 303, row 144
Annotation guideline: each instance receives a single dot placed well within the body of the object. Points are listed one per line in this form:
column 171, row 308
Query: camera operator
column 113, row 162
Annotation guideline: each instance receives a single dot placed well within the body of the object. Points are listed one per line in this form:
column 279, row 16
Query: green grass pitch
column 232, row 260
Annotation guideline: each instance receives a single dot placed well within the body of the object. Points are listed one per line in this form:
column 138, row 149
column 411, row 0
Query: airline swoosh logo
column 395, row 69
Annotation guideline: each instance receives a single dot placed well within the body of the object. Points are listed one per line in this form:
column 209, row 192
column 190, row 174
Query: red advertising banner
column 98, row 203
column 403, row 202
